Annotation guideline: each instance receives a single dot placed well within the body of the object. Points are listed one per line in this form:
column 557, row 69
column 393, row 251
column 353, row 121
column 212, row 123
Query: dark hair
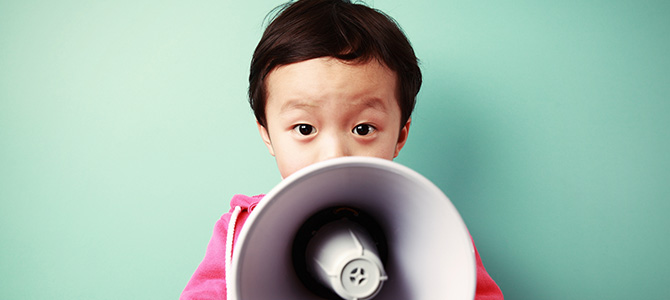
column 308, row 29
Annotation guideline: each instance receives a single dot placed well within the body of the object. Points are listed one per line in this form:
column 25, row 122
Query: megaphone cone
column 313, row 233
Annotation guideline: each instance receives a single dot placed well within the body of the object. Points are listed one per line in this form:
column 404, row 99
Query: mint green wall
column 124, row 130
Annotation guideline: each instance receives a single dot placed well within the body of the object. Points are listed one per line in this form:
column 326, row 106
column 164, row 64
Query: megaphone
column 354, row 228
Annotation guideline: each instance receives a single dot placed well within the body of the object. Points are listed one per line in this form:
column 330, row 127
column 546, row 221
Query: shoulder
column 245, row 202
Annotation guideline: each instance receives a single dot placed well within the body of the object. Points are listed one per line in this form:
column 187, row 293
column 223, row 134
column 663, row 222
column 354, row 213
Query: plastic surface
column 430, row 254
column 344, row 258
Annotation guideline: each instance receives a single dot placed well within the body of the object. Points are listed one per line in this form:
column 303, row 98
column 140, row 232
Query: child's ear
column 402, row 137
column 265, row 135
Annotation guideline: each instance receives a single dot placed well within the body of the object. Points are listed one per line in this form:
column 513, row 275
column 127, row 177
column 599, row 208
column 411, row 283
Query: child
column 328, row 78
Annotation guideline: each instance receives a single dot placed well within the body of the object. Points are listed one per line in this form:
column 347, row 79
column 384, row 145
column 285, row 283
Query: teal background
column 124, row 132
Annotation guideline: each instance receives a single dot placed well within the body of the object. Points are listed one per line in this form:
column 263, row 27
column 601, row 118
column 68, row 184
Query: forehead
column 323, row 79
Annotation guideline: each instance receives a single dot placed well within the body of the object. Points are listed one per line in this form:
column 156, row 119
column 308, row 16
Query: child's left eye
column 363, row 129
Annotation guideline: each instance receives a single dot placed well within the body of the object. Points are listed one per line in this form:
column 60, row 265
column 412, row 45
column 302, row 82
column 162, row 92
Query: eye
column 304, row 129
column 363, row 129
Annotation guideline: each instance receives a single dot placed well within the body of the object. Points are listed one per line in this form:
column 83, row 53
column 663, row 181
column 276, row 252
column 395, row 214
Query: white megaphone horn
column 354, row 228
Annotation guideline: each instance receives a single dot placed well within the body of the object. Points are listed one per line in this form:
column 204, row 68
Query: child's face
column 325, row 108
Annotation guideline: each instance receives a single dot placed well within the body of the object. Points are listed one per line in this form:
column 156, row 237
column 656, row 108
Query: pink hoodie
column 209, row 280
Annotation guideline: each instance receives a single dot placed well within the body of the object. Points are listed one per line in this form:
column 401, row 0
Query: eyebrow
column 298, row 104
column 372, row 102
column 368, row 102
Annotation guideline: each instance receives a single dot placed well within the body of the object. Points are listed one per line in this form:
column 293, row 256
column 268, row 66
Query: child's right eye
column 304, row 129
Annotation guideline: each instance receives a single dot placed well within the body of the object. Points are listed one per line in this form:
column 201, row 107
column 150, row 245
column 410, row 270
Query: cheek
column 388, row 148
column 381, row 149
column 286, row 168
column 388, row 154
column 290, row 160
